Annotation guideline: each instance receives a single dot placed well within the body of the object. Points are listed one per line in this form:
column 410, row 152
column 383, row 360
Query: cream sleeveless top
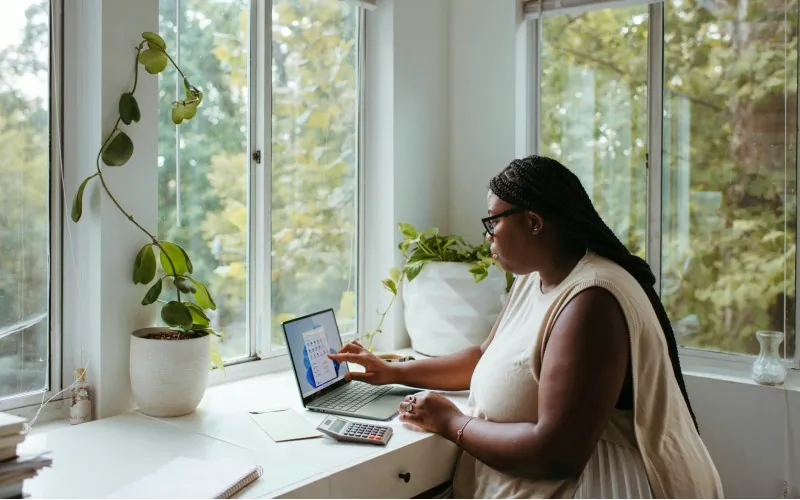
column 653, row 450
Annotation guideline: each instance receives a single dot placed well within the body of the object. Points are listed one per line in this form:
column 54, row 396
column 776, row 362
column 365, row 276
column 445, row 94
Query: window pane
column 24, row 209
column 204, row 163
column 729, row 178
column 314, row 160
column 594, row 111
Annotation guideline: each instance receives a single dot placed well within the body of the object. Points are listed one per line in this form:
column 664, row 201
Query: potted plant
column 169, row 365
column 453, row 291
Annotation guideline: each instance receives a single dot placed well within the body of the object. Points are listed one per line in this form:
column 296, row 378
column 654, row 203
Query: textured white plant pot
column 168, row 377
column 446, row 311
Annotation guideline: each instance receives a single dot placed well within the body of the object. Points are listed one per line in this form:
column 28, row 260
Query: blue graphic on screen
column 310, row 340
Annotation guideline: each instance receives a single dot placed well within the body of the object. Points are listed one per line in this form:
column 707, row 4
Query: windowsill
column 730, row 368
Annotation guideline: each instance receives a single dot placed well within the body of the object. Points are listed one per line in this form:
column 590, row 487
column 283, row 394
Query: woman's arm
column 583, row 371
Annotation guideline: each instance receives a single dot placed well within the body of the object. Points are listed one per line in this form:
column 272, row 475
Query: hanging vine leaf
column 172, row 254
column 154, row 41
column 184, row 285
column 199, row 316
column 77, row 202
column 152, row 294
column 202, row 296
column 144, row 267
column 129, row 109
column 118, row 151
column 153, row 60
column 176, row 313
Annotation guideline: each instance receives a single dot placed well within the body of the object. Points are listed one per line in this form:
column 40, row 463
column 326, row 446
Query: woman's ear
column 536, row 222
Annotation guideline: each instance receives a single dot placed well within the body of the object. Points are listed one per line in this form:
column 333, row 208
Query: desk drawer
column 402, row 473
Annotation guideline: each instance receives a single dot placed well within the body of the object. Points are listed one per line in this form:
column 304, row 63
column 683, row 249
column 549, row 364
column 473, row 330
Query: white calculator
column 354, row 432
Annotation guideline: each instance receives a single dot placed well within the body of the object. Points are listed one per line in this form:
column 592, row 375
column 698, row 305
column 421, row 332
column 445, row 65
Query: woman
column 577, row 391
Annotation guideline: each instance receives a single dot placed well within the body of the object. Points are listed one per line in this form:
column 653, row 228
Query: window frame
column 28, row 404
column 694, row 359
column 263, row 357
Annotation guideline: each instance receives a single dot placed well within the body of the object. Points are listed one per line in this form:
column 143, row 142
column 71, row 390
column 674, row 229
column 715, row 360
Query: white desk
column 93, row 460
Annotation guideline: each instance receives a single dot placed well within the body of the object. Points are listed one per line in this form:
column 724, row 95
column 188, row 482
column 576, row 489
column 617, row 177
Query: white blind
column 367, row 4
column 539, row 8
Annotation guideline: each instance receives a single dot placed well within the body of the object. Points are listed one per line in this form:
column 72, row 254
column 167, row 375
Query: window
column 211, row 173
column 25, row 220
column 314, row 160
column 594, row 110
column 719, row 84
column 729, row 172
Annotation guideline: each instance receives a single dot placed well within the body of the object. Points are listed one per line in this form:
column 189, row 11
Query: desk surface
column 95, row 459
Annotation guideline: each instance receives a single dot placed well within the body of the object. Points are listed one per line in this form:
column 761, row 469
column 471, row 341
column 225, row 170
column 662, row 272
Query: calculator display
column 338, row 425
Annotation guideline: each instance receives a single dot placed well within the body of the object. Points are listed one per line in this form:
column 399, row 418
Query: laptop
column 320, row 380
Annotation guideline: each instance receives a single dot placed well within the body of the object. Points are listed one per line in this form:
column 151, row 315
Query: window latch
column 257, row 156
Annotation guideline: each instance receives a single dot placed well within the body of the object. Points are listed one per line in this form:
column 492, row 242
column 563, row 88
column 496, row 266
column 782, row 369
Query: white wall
column 101, row 306
column 406, row 142
column 482, row 105
column 742, row 424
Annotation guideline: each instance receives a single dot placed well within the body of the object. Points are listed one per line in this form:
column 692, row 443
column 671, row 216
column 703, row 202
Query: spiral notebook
column 186, row 477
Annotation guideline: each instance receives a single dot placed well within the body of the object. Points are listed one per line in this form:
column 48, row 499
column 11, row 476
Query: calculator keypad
column 365, row 431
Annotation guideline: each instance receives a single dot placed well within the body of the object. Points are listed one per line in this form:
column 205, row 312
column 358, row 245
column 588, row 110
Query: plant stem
column 175, row 64
column 136, row 68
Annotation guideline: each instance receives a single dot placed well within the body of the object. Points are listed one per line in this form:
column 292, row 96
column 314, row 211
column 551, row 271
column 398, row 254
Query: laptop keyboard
column 352, row 397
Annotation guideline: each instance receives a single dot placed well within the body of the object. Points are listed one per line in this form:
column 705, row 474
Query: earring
column 535, row 229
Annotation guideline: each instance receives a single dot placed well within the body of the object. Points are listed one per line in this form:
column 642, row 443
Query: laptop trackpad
column 388, row 405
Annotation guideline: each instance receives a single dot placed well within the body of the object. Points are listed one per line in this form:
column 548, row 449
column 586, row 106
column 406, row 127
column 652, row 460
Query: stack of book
column 15, row 469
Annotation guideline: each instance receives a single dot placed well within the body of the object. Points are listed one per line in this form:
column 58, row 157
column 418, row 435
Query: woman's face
column 514, row 243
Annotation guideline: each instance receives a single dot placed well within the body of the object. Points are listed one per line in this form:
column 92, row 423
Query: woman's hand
column 376, row 370
column 432, row 412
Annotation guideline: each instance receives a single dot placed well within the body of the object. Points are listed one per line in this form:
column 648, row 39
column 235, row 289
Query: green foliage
column 423, row 247
column 189, row 318
column 729, row 203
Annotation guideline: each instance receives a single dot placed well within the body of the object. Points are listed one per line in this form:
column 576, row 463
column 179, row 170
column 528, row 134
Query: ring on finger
column 407, row 406
column 412, row 399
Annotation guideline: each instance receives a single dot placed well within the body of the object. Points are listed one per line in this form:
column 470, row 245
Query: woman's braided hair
column 544, row 185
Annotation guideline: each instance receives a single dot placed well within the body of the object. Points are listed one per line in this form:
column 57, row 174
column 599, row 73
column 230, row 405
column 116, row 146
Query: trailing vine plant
column 187, row 318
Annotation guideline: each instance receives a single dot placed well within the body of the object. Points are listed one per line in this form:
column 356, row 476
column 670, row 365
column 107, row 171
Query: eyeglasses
column 490, row 222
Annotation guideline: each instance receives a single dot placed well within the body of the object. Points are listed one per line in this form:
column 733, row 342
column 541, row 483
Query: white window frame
column 263, row 357
column 693, row 360
column 59, row 349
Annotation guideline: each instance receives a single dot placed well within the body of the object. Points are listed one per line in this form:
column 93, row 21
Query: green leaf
column 413, row 269
column 184, row 285
column 407, row 230
column 154, row 40
column 202, row 296
column 389, row 285
column 394, row 274
column 152, row 294
column 144, row 267
column 178, row 113
column 177, row 256
column 153, row 60
column 77, row 202
column 199, row 316
column 216, row 358
column 129, row 109
column 118, row 151
column 176, row 313
column 190, row 109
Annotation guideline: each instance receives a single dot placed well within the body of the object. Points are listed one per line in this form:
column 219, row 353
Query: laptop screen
column 310, row 339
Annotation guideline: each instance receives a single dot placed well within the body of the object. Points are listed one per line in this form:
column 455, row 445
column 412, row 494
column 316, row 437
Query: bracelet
column 460, row 432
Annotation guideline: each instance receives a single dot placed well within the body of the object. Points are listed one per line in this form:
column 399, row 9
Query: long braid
column 545, row 185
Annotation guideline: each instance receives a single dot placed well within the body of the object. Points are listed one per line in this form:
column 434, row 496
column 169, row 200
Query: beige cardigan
column 677, row 462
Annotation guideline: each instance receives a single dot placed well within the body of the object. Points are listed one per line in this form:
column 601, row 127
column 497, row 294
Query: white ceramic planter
column 446, row 311
column 168, row 377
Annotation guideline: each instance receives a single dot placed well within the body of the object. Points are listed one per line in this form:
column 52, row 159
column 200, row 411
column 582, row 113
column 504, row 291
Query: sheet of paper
column 318, row 349
column 285, row 425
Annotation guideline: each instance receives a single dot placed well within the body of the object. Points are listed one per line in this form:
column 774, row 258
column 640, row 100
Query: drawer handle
column 405, row 477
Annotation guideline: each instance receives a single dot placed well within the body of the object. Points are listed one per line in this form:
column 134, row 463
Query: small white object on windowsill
column 768, row 368
column 80, row 409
